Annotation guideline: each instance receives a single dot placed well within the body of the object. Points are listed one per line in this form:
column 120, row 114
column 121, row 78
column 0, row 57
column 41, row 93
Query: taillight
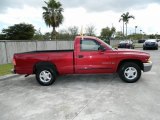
column 14, row 61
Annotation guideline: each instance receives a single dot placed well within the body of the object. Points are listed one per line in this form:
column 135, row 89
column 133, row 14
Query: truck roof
column 91, row 37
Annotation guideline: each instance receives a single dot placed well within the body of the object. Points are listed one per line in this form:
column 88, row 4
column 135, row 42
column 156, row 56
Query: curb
column 9, row 76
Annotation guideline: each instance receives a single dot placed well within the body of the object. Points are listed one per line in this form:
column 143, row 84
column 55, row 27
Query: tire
column 133, row 76
column 45, row 76
column 144, row 48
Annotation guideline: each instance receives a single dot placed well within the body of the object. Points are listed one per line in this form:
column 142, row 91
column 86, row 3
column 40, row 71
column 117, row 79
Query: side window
column 89, row 45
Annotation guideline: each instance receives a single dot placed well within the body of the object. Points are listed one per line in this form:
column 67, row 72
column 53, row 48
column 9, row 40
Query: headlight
column 149, row 59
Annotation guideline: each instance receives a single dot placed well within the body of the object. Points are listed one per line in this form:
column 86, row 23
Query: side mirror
column 101, row 48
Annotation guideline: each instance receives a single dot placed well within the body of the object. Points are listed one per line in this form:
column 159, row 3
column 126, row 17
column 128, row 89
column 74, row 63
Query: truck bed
column 62, row 59
column 45, row 51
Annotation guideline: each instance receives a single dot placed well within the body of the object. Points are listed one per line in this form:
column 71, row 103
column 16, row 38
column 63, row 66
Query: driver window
column 89, row 45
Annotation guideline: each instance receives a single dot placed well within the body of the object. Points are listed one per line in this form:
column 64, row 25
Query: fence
column 114, row 43
column 8, row 48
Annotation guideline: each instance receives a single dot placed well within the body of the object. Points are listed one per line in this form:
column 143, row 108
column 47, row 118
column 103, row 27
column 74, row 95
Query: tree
column 47, row 36
column 52, row 14
column 63, row 34
column 118, row 35
column 73, row 31
column 90, row 30
column 106, row 33
column 38, row 35
column 125, row 18
column 20, row 31
column 135, row 36
column 2, row 37
column 151, row 36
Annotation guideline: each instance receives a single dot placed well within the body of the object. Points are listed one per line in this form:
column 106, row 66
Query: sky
column 99, row 13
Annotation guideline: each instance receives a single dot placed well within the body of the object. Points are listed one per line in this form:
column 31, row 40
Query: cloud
column 107, row 5
column 6, row 4
column 27, row 14
column 83, row 12
column 89, row 5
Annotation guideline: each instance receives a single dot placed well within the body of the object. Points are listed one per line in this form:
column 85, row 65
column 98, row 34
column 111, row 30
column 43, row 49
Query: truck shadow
column 89, row 78
column 68, row 80
column 68, row 84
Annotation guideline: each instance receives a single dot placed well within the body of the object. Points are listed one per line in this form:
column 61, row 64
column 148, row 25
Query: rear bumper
column 147, row 66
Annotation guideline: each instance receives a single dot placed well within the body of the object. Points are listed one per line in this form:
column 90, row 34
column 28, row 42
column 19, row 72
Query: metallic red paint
column 77, row 61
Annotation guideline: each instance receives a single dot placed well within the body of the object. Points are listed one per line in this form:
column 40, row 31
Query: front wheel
column 129, row 72
column 45, row 76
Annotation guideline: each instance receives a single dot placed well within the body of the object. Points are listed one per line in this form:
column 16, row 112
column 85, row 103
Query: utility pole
column 135, row 29
column 141, row 34
column 156, row 35
column 140, row 31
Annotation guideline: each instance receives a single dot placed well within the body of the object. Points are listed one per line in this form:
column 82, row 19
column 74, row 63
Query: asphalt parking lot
column 83, row 97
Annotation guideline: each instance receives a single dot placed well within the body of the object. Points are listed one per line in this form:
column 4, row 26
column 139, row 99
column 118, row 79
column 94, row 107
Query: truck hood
column 133, row 53
column 130, row 50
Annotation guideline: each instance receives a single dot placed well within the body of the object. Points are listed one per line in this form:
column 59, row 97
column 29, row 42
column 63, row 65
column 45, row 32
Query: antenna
column 81, row 33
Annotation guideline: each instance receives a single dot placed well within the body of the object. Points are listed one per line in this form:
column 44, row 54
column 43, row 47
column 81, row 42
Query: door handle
column 80, row 56
column 101, row 52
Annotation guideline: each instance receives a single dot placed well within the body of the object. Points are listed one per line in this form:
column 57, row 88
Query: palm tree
column 125, row 18
column 52, row 14
column 122, row 19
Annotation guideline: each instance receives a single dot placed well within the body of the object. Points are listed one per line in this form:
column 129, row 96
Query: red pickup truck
column 90, row 56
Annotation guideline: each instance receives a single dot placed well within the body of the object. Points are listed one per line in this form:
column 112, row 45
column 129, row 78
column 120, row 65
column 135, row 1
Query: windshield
column 151, row 40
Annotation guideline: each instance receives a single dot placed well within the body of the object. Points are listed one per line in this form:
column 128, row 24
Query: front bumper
column 147, row 66
column 150, row 46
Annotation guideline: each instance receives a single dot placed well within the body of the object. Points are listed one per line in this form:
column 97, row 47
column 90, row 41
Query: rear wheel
column 129, row 72
column 45, row 76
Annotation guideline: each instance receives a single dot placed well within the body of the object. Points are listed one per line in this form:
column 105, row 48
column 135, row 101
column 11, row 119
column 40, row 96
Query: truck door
column 89, row 59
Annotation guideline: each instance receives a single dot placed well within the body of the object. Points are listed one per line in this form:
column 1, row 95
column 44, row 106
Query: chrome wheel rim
column 45, row 76
column 130, row 73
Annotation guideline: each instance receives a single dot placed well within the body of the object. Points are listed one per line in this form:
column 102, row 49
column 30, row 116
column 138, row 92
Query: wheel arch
column 138, row 62
column 44, row 64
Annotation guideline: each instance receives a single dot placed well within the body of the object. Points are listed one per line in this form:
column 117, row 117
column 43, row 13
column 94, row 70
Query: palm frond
column 52, row 14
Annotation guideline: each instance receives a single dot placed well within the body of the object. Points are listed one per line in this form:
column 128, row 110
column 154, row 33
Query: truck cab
column 93, row 56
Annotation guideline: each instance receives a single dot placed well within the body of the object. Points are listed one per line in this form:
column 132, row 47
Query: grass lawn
column 5, row 69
